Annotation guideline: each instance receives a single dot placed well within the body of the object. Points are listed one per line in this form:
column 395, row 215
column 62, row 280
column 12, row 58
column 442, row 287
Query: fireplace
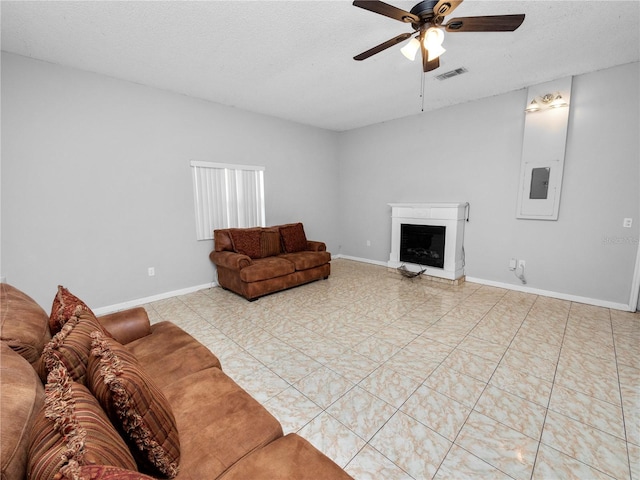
column 429, row 237
column 422, row 244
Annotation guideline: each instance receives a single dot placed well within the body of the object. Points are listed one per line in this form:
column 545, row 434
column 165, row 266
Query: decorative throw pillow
column 270, row 243
column 135, row 405
column 293, row 238
column 65, row 305
column 102, row 472
column 71, row 429
column 247, row 241
column 71, row 346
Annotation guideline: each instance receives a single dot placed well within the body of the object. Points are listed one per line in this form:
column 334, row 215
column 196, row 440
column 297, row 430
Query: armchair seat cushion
column 266, row 268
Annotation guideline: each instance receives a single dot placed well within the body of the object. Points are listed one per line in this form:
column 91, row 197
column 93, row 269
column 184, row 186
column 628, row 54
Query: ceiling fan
column 426, row 18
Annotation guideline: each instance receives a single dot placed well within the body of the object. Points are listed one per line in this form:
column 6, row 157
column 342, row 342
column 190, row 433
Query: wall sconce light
column 549, row 100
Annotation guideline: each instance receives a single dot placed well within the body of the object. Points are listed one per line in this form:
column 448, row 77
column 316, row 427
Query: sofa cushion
column 103, row 472
column 270, row 242
column 71, row 346
column 219, row 423
column 307, row 260
column 169, row 354
column 65, row 305
column 135, row 405
column 266, row 269
column 71, row 428
column 293, row 238
column 24, row 325
column 288, row 457
column 21, row 397
column 247, row 241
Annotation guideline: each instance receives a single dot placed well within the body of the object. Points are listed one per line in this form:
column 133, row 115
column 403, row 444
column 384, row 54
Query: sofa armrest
column 314, row 246
column 127, row 325
column 232, row 260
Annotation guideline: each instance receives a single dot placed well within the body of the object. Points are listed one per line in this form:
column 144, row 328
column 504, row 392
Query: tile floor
column 412, row 379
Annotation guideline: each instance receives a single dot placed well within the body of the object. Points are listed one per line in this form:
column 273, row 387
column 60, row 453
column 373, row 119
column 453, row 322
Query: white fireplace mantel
column 449, row 215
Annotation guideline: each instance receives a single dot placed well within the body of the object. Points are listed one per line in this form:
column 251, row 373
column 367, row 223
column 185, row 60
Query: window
column 227, row 196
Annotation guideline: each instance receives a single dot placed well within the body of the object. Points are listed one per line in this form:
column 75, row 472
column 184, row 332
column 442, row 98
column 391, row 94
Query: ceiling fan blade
column 489, row 23
column 427, row 65
column 387, row 10
column 383, row 46
column 445, row 7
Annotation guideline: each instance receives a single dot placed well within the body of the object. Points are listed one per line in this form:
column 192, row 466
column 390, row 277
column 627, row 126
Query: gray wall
column 96, row 182
column 471, row 153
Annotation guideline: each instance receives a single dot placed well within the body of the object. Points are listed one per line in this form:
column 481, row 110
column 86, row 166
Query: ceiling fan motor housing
column 424, row 10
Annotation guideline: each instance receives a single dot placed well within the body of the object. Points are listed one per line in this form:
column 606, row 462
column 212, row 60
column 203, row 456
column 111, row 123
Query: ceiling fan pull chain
column 422, row 90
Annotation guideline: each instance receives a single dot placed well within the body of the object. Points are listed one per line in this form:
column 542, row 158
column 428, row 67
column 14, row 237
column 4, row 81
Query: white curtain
column 227, row 195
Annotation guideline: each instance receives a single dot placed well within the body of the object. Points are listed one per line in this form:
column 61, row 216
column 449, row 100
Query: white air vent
column 452, row 73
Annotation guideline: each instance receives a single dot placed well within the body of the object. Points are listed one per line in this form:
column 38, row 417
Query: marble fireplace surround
column 450, row 215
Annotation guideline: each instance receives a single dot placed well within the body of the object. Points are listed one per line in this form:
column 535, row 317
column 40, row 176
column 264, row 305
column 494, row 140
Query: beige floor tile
column 412, row 446
column 292, row 409
column 498, row 445
column 552, row 464
column 472, row 365
column 522, row 415
column 456, row 385
column 463, row 465
column 436, row 411
column 324, row 386
column 369, row 464
column 586, row 444
column 332, row 438
column 583, row 408
column 362, row 412
column 522, row 384
column 389, row 385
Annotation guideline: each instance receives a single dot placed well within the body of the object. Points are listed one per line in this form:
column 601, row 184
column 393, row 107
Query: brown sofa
column 222, row 432
column 253, row 262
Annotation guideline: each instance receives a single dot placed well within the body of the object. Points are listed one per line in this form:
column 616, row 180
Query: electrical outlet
column 368, row 243
column 521, row 264
column 512, row 264
column 626, row 223
column 151, row 271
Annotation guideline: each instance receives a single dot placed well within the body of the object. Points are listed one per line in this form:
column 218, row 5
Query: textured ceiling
column 293, row 59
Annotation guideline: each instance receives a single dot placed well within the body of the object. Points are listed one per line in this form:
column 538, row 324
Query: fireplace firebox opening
column 422, row 244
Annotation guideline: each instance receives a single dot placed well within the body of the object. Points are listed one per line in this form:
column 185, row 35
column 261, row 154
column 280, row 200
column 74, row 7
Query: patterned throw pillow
column 135, row 405
column 293, row 238
column 65, row 305
column 71, row 346
column 103, row 472
column 247, row 241
column 71, row 429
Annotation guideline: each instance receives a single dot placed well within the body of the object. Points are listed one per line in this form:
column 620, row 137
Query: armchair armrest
column 314, row 246
column 127, row 325
column 232, row 260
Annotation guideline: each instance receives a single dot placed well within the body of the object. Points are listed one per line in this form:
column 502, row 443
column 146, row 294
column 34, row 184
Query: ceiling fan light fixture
column 432, row 42
column 411, row 49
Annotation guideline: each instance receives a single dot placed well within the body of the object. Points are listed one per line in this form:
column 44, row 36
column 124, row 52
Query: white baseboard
column 362, row 260
column 546, row 293
column 508, row 286
column 520, row 288
column 154, row 298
